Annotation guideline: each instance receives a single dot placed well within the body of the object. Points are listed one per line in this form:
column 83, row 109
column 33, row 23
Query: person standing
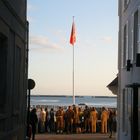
column 42, row 120
column 81, row 118
column 46, row 120
column 33, row 122
column 51, row 121
column 59, row 120
column 69, row 115
column 104, row 118
column 110, row 122
column 93, row 119
column 86, row 119
column 114, row 120
column 76, row 120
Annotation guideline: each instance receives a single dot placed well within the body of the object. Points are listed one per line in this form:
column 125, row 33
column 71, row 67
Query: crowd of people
column 73, row 120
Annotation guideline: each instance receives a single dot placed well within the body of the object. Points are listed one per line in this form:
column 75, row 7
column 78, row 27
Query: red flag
column 73, row 35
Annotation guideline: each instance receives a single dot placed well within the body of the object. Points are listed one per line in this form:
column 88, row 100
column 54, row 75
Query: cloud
column 107, row 39
column 90, row 43
column 42, row 43
column 86, row 43
column 60, row 36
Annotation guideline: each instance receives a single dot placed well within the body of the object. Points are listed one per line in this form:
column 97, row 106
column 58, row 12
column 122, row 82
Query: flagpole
column 72, row 41
column 73, row 79
column 73, row 74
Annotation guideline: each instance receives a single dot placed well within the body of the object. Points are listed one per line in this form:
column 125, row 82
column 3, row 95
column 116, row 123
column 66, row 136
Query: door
column 134, row 128
column 129, row 111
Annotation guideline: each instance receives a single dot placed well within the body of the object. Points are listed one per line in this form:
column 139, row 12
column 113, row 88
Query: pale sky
column 96, row 47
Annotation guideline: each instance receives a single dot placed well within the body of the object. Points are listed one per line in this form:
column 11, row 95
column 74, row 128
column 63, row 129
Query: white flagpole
column 72, row 41
column 73, row 79
column 73, row 74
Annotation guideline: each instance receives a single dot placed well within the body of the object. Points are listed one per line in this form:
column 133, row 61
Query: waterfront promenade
column 97, row 136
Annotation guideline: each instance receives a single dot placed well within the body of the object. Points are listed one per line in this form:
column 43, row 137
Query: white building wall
column 125, row 94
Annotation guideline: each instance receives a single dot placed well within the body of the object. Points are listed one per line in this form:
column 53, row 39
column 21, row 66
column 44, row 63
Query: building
column 13, row 69
column 129, row 70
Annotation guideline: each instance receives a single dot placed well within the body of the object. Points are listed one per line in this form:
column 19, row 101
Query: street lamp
column 31, row 85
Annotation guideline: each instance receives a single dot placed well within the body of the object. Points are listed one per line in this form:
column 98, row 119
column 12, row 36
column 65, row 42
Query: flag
column 73, row 35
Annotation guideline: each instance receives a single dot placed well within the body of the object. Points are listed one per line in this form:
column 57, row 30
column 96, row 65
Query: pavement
column 96, row 136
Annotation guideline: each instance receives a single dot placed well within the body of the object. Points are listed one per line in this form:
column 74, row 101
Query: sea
column 96, row 101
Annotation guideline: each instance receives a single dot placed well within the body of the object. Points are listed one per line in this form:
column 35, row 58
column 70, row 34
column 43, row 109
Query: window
column 126, row 2
column 135, row 39
column 125, row 45
column 3, row 71
column 132, row 37
column 17, row 86
column 125, row 111
column 17, row 71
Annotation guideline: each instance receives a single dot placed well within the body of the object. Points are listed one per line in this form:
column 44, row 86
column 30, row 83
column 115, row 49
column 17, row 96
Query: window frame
column 135, row 35
column 125, row 50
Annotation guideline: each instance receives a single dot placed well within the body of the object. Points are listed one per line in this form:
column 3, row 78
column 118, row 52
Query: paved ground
column 74, row 137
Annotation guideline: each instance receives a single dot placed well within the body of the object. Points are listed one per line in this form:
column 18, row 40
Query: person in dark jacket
column 110, row 122
column 69, row 115
column 86, row 119
column 51, row 121
column 33, row 122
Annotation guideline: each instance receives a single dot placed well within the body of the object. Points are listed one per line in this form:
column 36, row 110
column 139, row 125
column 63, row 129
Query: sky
column 51, row 55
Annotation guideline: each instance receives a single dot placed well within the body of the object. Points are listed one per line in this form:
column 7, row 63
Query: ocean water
column 97, row 101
